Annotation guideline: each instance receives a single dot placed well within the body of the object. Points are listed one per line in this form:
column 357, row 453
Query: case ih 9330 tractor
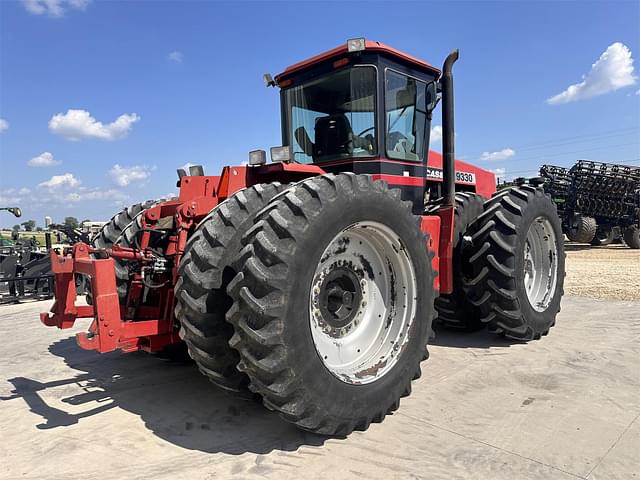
column 312, row 281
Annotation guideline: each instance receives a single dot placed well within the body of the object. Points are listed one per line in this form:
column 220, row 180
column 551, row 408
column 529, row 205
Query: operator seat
column 333, row 135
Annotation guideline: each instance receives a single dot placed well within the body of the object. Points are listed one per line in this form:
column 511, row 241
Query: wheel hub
column 340, row 296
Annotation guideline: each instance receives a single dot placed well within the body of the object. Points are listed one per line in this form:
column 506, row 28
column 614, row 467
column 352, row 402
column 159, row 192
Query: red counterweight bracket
column 445, row 250
column 108, row 331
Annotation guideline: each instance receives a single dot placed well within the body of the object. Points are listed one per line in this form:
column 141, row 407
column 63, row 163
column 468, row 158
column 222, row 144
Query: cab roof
column 370, row 46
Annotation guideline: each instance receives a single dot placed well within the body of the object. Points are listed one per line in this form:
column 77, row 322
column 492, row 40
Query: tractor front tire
column 333, row 303
column 519, row 263
column 111, row 231
column 127, row 238
column 455, row 311
column 203, row 276
column 109, row 235
column 632, row 237
column 583, row 229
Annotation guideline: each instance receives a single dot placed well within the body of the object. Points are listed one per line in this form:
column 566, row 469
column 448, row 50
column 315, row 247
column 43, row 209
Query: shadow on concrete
column 175, row 401
column 465, row 339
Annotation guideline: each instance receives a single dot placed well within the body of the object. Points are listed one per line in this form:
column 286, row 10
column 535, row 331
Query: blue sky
column 184, row 82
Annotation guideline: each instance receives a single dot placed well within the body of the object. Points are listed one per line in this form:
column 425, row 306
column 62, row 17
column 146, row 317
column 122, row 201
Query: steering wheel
column 365, row 131
column 364, row 142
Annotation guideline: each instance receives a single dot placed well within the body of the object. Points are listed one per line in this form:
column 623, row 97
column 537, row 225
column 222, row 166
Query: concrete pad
column 485, row 408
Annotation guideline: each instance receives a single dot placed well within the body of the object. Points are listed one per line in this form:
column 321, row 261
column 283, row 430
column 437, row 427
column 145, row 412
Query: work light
column 257, row 157
column 281, row 154
column 355, row 44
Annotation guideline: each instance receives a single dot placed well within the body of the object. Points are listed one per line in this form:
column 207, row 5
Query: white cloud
column 499, row 172
column 436, row 134
column 13, row 196
column 78, row 124
column 613, row 70
column 124, row 176
column 86, row 194
column 45, row 159
column 4, row 125
column 53, row 8
column 8, row 200
column 57, row 181
column 175, row 57
column 169, row 196
column 499, row 155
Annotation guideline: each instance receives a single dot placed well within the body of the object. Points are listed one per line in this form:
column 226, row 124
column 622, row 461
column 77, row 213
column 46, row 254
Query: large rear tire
column 203, row 276
column 455, row 311
column 333, row 303
column 518, row 261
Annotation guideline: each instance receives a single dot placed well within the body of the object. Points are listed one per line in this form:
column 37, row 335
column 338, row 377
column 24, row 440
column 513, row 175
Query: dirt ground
column 611, row 272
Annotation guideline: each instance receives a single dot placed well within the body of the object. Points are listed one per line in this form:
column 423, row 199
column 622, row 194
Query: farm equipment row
column 25, row 272
column 25, row 267
column 595, row 200
column 312, row 281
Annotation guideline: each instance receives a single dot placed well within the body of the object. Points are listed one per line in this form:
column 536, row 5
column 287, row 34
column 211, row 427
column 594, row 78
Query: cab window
column 405, row 116
column 333, row 117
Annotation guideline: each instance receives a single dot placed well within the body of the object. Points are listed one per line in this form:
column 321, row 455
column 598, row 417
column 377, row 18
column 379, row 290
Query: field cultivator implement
column 595, row 200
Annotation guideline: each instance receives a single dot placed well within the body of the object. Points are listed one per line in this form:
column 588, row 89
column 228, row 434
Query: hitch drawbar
column 152, row 329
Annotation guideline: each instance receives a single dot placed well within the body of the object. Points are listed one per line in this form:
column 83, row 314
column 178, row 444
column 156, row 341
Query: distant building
column 92, row 227
column 47, row 221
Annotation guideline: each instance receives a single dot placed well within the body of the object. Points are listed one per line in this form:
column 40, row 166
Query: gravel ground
column 611, row 272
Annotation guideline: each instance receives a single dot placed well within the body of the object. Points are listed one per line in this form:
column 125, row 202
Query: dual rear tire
column 330, row 302
column 204, row 274
column 518, row 263
column 455, row 311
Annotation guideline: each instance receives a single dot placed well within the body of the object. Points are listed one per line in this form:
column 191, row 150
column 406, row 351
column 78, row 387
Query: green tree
column 29, row 225
column 71, row 222
column 16, row 228
column 38, row 229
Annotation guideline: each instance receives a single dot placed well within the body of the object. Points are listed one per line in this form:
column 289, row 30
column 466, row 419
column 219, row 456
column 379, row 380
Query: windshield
column 333, row 117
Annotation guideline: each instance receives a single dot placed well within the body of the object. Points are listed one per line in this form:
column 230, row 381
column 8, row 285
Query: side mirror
column 432, row 97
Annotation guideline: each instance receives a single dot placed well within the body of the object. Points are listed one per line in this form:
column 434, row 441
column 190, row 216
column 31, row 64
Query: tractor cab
column 363, row 100
column 366, row 107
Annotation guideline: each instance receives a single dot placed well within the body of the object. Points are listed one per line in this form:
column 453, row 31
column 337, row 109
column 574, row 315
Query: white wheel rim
column 540, row 264
column 362, row 302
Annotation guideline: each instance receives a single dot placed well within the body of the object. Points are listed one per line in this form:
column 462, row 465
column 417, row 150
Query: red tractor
column 312, row 281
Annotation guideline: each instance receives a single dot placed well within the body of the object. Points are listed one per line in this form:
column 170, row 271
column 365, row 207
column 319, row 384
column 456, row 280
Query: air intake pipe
column 448, row 140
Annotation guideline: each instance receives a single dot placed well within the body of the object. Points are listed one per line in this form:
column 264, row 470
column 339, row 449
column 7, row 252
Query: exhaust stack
column 448, row 140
